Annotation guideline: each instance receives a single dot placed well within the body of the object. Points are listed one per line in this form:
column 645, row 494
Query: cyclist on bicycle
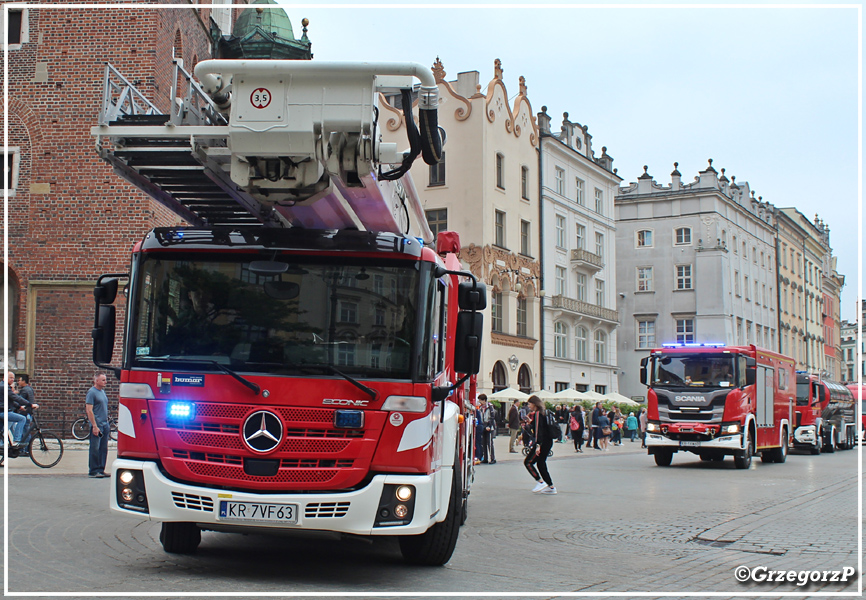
column 19, row 407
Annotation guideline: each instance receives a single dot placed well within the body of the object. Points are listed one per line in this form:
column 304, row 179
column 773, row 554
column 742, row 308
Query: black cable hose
column 414, row 141
column 431, row 141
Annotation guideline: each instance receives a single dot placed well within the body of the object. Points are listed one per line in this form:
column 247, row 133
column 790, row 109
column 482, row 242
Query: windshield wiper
column 253, row 386
column 332, row 369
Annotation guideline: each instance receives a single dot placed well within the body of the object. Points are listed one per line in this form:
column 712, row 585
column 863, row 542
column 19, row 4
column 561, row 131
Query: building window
column 18, row 28
column 560, row 340
column 521, row 317
column 13, row 159
column 346, row 353
column 646, row 334
column 762, row 260
column 644, row 279
column 764, row 296
column 580, row 186
column 746, row 286
column 581, row 287
column 560, row 231
column 496, row 312
column 599, row 245
column 524, row 238
column 740, row 339
column 580, row 237
column 437, row 172
column 684, row 277
column 499, row 229
column 437, row 219
column 500, row 171
column 560, row 281
column 601, row 389
column 599, row 292
column 348, row 312
column 734, row 244
column 559, row 181
column 685, row 331
column 599, row 201
column 737, row 283
column 379, row 317
column 645, row 238
column 580, row 342
column 684, row 236
column 754, row 255
column 524, row 183
column 600, row 347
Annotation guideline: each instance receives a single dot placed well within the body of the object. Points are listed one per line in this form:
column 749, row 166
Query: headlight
column 405, row 404
column 404, row 492
column 653, row 427
column 731, row 428
column 126, row 477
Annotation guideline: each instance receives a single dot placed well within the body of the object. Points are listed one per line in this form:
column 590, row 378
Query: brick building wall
column 71, row 218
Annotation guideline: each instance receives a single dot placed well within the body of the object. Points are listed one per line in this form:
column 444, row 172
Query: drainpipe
column 541, row 258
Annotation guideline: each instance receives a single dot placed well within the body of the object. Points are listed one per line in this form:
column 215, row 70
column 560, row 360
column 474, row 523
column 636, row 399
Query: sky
column 770, row 93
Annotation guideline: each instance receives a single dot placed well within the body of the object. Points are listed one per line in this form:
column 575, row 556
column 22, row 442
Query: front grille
column 236, row 473
column 325, row 433
column 690, row 416
column 209, row 427
column 286, row 463
column 208, row 457
column 326, row 509
column 312, row 463
column 192, row 501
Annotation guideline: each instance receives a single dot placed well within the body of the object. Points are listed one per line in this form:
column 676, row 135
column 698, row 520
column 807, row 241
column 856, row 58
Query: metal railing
column 580, row 254
column 119, row 97
column 583, row 308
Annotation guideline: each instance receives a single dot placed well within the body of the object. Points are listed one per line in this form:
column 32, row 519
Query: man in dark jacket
column 488, row 422
column 19, row 406
column 596, row 432
column 26, row 392
column 513, row 425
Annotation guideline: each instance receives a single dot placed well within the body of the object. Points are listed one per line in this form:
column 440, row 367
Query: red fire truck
column 300, row 360
column 859, row 393
column 825, row 415
column 716, row 401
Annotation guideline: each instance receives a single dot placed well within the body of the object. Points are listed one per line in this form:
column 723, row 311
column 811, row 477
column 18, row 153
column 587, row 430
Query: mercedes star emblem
column 263, row 431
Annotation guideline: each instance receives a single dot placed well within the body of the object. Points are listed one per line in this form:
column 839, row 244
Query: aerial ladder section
column 275, row 143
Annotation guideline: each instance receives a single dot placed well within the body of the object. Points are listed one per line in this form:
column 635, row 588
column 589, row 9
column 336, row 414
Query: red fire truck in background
column 859, row 393
column 825, row 415
column 716, row 401
column 298, row 360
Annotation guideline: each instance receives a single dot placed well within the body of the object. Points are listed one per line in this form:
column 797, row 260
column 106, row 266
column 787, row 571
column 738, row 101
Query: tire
column 81, row 429
column 718, row 458
column 705, row 457
column 180, row 538
column 743, row 460
column 830, row 442
column 819, row 445
column 664, row 458
column 780, row 455
column 435, row 546
column 45, row 449
column 767, row 457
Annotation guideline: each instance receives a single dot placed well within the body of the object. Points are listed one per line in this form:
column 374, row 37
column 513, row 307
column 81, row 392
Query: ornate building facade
column 486, row 188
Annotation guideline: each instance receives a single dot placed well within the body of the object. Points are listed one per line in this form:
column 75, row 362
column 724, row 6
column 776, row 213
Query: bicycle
column 81, row 428
column 45, row 448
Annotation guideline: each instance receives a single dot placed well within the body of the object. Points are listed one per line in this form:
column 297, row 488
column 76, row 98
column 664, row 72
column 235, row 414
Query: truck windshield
column 360, row 318
column 697, row 370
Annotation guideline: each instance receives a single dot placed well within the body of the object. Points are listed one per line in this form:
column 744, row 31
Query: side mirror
column 106, row 291
column 471, row 295
column 103, row 334
column 643, row 370
column 751, row 371
column 467, row 343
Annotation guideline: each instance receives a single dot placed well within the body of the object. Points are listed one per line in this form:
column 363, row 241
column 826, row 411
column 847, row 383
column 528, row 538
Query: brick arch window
column 500, row 377
column 524, row 379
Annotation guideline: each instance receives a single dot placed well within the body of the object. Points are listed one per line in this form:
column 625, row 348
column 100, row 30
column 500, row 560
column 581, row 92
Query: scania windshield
column 694, row 370
column 313, row 315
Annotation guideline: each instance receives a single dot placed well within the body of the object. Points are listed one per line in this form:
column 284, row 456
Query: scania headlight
column 653, row 427
column 729, row 428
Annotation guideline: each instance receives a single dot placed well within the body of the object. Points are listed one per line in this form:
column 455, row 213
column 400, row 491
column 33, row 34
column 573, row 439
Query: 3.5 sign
column 260, row 98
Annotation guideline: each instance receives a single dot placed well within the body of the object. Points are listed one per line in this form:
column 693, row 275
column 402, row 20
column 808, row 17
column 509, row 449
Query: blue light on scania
column 694, row 345
column 181, row 410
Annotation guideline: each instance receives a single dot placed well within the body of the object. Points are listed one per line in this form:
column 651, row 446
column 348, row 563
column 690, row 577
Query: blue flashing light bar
column 181, row 410
column 694, row 345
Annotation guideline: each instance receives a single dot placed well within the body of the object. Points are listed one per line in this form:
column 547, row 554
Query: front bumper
column 729, row 443
column 806, row 435
column 352, row 512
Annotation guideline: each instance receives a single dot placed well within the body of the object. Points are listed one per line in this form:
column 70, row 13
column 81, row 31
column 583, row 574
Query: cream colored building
column 486, row 189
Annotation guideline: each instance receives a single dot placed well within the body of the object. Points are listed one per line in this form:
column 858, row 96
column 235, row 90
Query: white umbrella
column 545, row 395
column 571, row 395
column 620, row 399
column 509, row 394
column 595, row 396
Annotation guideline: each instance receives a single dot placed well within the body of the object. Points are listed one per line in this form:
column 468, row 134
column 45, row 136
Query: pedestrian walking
column 577, row 426
column 488, row 432
column 536, row 460
column 96, row 407
column 513, row 426
column 604, row 430
column 631, row 426
column 642, row 420
column 596, row 432
column 479, row 434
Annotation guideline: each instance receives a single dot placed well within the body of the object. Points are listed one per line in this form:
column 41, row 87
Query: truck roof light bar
column 694, row 345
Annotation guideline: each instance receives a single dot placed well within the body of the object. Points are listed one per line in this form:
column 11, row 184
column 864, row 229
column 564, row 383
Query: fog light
column 401, row 511
column 404, row 492
column 126, row 494
column 126, row 477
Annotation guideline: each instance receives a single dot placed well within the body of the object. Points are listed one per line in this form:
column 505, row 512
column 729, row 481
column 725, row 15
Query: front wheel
column 743, row 460
column 830, row 442
column 180, row 538
column 45, row 449
column 435, row 546
column 663, row 458
column 81, row 429
column 780, row 454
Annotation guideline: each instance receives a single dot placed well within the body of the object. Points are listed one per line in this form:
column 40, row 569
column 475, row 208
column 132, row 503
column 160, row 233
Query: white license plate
column 690, row 444
column 257, row 512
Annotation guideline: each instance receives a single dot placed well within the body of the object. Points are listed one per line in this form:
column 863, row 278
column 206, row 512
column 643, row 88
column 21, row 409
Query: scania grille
column 313, row 454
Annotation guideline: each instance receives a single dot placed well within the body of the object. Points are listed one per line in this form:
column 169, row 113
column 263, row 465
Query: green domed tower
column 262, row 31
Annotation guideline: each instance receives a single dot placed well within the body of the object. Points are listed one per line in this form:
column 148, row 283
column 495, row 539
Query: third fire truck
column 716, row 401
column 825, row 415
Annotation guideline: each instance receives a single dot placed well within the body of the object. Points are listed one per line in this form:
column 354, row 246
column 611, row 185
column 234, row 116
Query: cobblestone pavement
column 618, row 524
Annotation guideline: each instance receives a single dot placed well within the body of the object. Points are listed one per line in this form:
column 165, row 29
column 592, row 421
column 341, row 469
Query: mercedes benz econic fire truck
column 716, row 401
column 302, row 356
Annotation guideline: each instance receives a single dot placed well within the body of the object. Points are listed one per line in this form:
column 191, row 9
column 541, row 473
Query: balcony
column 586, row 259
column 583, row 308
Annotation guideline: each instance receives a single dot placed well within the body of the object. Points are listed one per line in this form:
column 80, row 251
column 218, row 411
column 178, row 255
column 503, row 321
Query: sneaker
column 549, row 490
column 539, row 486
column 94, row 475
column 104, row 474
column 492, row 462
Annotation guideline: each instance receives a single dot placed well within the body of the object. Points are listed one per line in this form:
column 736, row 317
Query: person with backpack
column 546, row 427
column 577, row 426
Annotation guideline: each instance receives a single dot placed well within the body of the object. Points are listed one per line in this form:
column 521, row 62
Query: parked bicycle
column 45, row 448
column 81, row 428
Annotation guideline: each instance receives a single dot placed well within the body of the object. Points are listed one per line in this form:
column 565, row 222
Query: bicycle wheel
column 81, row 429
column 46, row 449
